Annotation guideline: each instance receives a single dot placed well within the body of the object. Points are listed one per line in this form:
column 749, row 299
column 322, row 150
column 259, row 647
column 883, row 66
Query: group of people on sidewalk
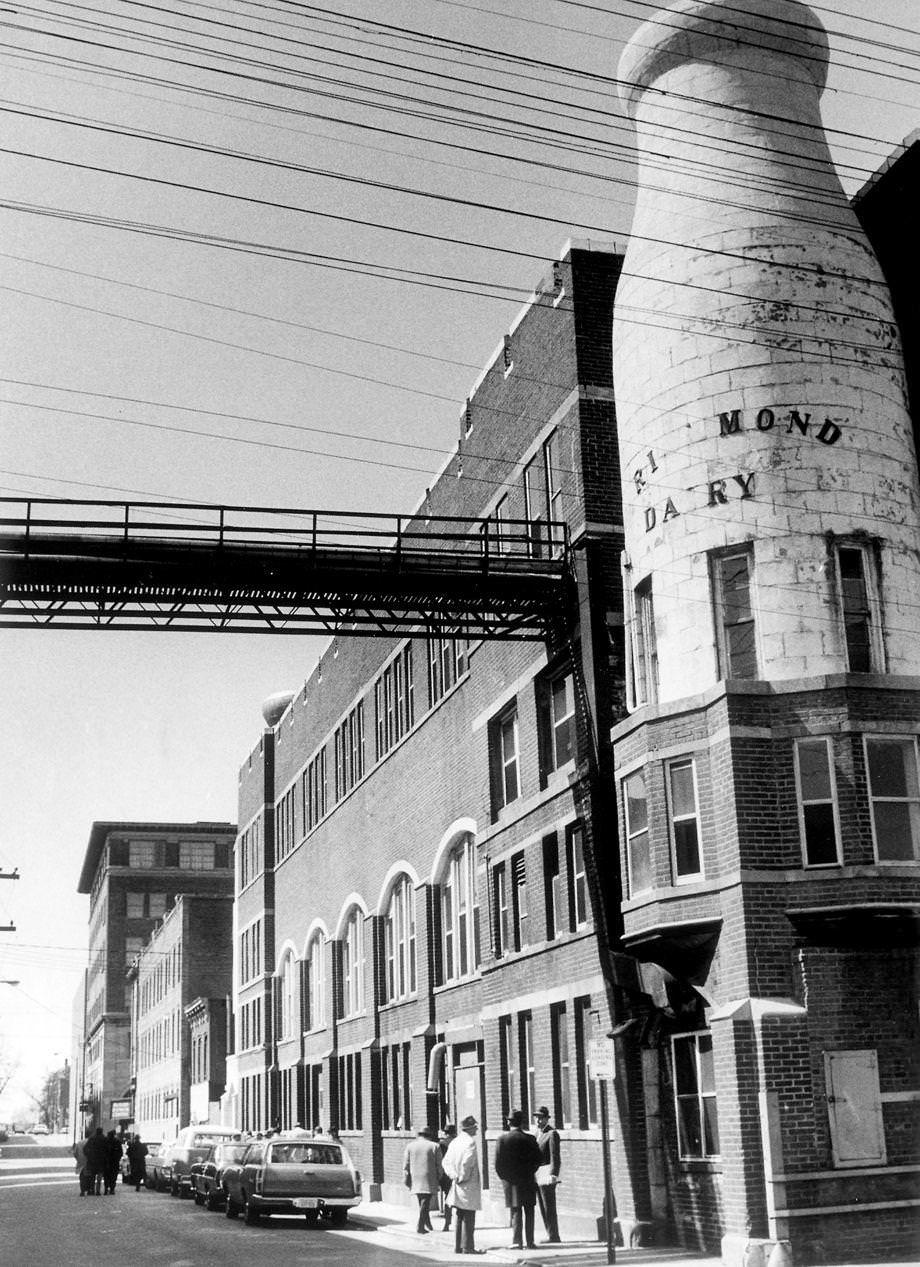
column 101, row 1158
column 528, row 1166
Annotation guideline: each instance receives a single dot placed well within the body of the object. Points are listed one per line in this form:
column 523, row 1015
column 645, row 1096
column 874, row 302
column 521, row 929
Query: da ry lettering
column 792, row 422
column 718, row 493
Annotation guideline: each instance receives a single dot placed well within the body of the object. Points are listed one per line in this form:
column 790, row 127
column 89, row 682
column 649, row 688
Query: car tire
column 251, row 1213
column 198, row 1198
column 232, row 1210
column 312, row 1217
column 211, row 1201
column 338, row 1215
column 173, row 1188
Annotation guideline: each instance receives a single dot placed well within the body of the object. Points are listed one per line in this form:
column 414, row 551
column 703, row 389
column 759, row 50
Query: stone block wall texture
column 767, row 402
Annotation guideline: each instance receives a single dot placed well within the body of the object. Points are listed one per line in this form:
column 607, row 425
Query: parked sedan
column 293, row 1175
column 154, row 1178
column 190, row 1145
column 207, row 1174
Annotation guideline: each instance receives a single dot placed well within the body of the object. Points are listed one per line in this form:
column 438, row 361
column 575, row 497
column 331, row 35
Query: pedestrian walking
column 461, row 1164
column 517, row 1158
column 548, row 1174
column 137, row 1162
column 447, row 1136
column 112, row 1162
column 423, row 1171
column 95, row 1152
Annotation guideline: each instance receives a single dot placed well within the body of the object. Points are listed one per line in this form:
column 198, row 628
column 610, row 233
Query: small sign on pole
column 600, row 1055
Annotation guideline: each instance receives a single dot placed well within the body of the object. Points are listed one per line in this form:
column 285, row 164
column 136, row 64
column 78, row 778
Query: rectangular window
column 504, row 759
column 638, row 852
column 859, row 607
column 644, row 645
column 509, row 1064
column 587, row 1084
column 535, row 508
column 349, row 751
column 134, row 905
column 500, row 908
column 818, row 824
column 578, row 880
column 552, row 887
column 734, row 615
column 447, row 662
column 196, row 855
column 142, row 853
column 695, row 1095
column 501, row 530
column 519, row 911
column 553, row 478
column 555, row 695
column 528, row 1067
column 894, row 793
column 562, row 1086
column 685, row 820
column 156, row 905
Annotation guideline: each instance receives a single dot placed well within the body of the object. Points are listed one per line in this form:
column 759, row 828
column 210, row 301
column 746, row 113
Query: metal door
column 854, row 1108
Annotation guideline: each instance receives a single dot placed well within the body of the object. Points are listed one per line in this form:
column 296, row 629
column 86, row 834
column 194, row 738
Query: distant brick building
column 180, row 983
column 133, row 872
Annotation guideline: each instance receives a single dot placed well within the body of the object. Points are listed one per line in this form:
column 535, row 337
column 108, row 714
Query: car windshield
column 203, row 1141
column 232, row 1152
column 307, row 1154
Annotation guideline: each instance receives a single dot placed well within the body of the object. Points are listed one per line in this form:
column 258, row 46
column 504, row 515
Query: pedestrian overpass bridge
column 180, row 566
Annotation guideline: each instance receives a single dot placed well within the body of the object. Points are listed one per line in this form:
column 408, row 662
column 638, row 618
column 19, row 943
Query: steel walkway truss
column 151, row 565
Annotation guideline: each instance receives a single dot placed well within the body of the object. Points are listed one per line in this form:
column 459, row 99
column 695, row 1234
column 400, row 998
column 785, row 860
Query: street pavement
column 45, row 1223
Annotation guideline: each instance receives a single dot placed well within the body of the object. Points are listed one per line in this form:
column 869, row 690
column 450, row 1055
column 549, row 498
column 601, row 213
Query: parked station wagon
column 293, row 1175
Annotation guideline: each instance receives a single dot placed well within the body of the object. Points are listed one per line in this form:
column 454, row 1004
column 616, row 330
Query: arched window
column 316, row 982
column 353, row 964
column 460, row 912
column 288, row 997
column 399, row 942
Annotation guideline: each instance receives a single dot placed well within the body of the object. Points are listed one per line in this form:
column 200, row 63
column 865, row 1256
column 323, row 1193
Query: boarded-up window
column 854, row 1108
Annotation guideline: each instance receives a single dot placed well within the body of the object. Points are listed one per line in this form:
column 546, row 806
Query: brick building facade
column 180, row 982
column 133, row 872
column 421, row 900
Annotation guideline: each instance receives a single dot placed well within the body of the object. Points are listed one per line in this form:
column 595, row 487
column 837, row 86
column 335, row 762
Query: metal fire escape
column 169, row 566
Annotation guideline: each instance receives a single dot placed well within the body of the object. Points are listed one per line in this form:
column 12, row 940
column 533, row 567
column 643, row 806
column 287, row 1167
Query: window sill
column 457, row 981
column 391, row 1004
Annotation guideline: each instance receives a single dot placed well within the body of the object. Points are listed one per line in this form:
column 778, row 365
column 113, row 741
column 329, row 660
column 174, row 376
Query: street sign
column 121, row 1110
column 600, row 1056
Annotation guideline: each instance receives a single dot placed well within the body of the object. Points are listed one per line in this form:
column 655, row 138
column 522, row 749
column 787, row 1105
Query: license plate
column 305, row 1203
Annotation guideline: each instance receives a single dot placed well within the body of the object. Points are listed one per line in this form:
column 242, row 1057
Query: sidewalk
column 394, row 1227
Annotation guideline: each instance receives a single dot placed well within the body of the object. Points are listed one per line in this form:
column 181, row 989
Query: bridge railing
column 33, row 524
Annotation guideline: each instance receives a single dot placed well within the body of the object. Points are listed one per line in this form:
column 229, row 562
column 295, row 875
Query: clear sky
column 164, row 342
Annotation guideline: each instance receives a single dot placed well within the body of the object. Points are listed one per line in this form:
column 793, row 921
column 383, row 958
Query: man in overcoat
column 423, row 1170
column 548, row 1174
column 517, row 1159
column 461, row 1164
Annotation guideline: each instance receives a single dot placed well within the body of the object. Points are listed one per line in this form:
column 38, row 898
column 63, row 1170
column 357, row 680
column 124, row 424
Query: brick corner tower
column 768, row 774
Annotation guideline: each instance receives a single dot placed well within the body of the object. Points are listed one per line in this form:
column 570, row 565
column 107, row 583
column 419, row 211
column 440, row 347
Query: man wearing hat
column 548, row 1174
column 461, row 1165
column 517, row 1157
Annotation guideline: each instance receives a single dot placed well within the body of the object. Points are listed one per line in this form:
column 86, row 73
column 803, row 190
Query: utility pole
column 9, row 875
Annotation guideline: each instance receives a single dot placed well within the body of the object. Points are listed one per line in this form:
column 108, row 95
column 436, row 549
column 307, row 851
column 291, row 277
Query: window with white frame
column 894, row 793
column 552, row 466
column 528, row 1066
column 316, row 982
column 460, row 913
column 399, row 942
column 579, row 910
column 352, row 950
column 504, row 758
column 819, row 826
column 685, row 820
column 644, row 645
column 448, row 660
column 562, row 1080
column 509, row 1064
column 501, row 516
column 289, row 1018
column 857, row 586
column 556, row 708
column 142, row 853
column 638, row 851
column 535, row 507
column 732, row 576
column 695, row 1095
